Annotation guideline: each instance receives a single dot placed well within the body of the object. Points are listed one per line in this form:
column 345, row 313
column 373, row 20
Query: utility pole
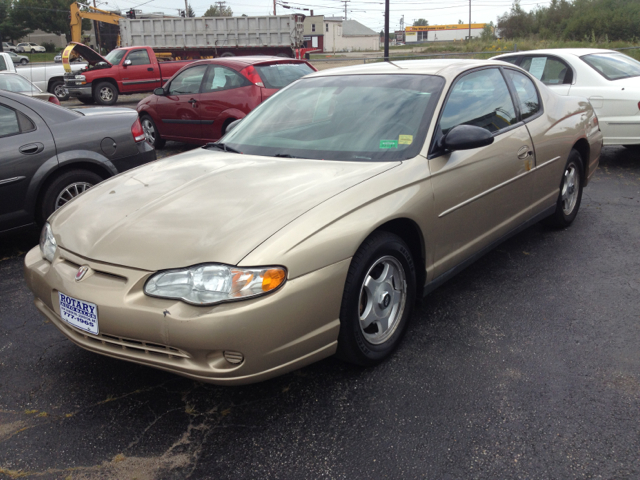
column 345, row 7
column 469, row 20
column 386, row 30
column 96, row 27
column 186, row 8
column 274, row 8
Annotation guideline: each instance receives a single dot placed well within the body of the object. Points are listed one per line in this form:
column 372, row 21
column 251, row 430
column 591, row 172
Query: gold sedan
column 315, row 224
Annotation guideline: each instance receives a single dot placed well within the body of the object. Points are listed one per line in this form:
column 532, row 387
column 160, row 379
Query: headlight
column 215, row 283
column 47, row 242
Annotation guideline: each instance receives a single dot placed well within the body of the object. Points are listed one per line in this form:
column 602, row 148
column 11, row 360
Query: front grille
column 150, row 349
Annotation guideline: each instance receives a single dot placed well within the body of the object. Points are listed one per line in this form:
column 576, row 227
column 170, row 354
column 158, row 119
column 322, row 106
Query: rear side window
column 549, row 70
column 282, row 74
column 527, row 93
column 8, row 122
column 613, row 66
column 222, row 78
column 139, row 57
column 480, row 98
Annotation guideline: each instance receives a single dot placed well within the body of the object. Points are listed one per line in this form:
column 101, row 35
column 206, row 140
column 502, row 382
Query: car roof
column 249, row 60
column 448, row 68
column 578, row 52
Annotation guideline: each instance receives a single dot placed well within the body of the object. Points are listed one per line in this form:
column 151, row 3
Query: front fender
column 334, row 230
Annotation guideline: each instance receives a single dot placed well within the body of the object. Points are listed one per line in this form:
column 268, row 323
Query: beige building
column 333, row 34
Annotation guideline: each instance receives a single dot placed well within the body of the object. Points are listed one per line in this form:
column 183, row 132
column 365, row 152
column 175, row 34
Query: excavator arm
column 90, row 13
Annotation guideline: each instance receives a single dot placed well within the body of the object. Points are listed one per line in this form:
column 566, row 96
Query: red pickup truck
column 122, row 72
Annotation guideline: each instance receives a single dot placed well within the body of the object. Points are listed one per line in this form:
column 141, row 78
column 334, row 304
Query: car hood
column 201, row 206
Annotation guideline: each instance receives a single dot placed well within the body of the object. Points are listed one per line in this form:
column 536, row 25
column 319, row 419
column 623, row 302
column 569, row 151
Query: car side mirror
column 232, row 125
column 159, row 91
column 466, row 137
column 127, row 62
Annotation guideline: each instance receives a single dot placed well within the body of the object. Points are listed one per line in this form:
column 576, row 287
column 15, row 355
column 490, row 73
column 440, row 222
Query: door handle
column 524, row 152
column 31, row 148
column 193, row 102
column 149, row 69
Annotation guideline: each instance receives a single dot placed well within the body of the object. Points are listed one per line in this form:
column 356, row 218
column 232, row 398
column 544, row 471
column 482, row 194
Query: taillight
column 137, row 132
column 252, row 75
column 54, row 99
column 638, row 105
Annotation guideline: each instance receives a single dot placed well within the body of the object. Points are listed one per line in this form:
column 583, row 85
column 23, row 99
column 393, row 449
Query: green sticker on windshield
column 386, row 144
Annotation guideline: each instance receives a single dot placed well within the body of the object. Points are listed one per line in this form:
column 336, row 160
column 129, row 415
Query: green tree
column 190, row 12
column 51, row 16
column 10, row 29
column 487, row 32
column 421, row 22
column 220, row 10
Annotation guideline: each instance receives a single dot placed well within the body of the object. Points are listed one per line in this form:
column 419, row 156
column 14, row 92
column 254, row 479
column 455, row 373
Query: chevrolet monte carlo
column 316, row 222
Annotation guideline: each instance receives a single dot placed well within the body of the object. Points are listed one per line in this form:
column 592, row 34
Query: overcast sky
column 368, row 12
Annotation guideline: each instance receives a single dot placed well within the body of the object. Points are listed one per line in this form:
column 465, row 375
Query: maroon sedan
column 198, row 103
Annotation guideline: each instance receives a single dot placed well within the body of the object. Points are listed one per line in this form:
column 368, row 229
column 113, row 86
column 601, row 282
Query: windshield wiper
column 221, row 146
column 284, row 155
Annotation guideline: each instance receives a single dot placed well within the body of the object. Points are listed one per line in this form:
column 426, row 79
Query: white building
column 333, row 34
column 442, row 33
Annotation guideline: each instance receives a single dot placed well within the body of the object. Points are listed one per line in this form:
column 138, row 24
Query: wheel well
column 582, row 146
column 52, row 81
column 108, row 80
column 226, row 124
column 92, row 167
column 410, row 232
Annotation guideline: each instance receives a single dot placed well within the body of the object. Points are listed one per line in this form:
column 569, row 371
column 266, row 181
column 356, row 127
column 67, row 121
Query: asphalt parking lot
column 526, row 365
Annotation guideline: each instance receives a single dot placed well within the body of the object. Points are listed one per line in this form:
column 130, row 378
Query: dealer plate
column 80, row 314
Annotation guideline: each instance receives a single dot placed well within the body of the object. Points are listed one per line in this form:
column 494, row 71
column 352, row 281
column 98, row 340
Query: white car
column 609, row 79
column 31, row 47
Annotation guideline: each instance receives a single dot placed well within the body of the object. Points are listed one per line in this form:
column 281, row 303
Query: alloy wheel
column 383, row 296
column 70, row 192
column 570, row 189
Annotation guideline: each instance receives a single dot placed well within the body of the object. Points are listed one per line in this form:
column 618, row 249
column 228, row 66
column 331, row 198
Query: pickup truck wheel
column 24, row 61
column 57, row 88
column 151, row 132
column 65, row 187
column 105, row 94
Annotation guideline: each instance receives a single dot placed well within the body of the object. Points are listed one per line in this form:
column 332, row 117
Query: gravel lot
column 526, row 365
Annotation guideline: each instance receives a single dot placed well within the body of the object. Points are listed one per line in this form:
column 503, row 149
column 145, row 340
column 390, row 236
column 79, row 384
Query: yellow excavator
column 90, row 13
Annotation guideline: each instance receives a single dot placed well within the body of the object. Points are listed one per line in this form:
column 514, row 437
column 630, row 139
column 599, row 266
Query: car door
column 26, row 144
column 179, row 110
column 483, row 193
column 224, row 89
column 140, row 74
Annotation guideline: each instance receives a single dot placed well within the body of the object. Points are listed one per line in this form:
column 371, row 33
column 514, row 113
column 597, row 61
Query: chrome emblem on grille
column 81, row 272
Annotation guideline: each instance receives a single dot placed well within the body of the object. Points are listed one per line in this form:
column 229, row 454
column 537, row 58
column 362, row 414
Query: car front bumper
column 275, row 334
column 79, row 91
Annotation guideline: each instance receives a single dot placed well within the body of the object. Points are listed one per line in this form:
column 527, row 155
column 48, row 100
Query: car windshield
column 280, row 75
column 357, row 118
column 16, row 83
column 613, row 66
column 115, row 56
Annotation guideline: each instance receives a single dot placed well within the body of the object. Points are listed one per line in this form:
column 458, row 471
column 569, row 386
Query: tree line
column 574, row 20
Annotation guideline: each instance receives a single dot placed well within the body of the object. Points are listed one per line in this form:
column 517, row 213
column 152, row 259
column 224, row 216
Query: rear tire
column 105, row 93
column 570, row 194
column 65, row 187
column 378, row 298
column 57, row 88
column 24, row 61
column 151, row 132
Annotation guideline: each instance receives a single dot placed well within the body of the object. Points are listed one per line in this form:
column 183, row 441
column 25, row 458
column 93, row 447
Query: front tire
column 151, row 132
column 105, row 93
column 24, row 61
column 64, row 188
column 378, row 298
column 57, row 88
column 570, row 193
